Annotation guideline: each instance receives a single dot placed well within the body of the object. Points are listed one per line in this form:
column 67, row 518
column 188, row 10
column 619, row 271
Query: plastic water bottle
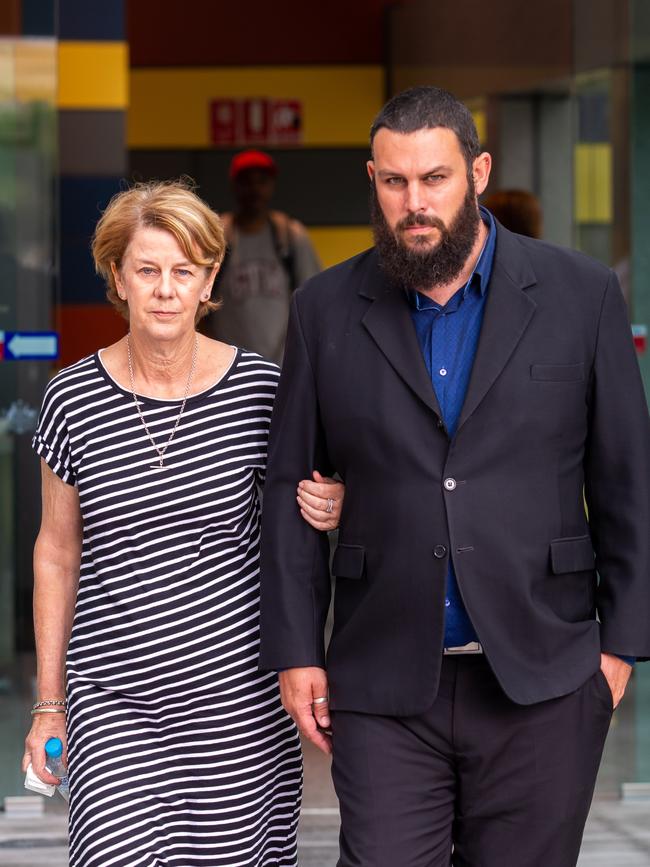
column 54, row 764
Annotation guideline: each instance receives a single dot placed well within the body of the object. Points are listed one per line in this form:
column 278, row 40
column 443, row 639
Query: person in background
column 269, row 255
column 473, row 388
column 517, row 210
column 146, row 567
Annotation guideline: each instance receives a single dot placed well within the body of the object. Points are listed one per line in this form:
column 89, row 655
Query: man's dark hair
column 426, row 108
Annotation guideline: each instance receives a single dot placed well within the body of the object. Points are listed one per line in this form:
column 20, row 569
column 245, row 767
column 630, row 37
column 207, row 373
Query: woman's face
column 162, row 288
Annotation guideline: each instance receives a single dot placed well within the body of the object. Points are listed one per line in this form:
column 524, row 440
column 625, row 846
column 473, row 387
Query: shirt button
column 450, row 484
column 439, row 551
column 443, row 371
column 447, row 603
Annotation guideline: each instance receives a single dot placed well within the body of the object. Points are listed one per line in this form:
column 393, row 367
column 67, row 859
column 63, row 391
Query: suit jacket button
column 449, row 484
column 439, row 551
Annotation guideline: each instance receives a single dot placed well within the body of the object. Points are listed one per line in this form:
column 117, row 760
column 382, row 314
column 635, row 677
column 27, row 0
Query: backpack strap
column 283, row 244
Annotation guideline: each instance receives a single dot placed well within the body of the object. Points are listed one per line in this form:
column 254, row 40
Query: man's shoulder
column 545, row 255
column 561, row 275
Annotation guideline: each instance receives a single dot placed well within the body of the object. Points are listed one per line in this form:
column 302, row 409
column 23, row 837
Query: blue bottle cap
column 54, row 748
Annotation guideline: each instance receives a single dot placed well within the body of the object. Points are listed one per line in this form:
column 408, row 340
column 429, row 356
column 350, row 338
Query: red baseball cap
column 252, row 159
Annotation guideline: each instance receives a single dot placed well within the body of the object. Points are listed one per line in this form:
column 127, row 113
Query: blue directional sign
column 29, row 345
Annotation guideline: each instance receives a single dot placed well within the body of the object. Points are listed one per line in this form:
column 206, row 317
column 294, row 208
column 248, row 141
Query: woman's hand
column 44, row 727
column 321, row 501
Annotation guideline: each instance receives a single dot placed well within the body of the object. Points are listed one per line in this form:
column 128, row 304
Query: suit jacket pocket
column 571, row 595
column 573, row 554
column 349, row 561
column 558, row 372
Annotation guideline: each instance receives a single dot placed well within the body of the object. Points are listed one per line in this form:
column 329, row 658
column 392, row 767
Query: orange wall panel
column 85, row 328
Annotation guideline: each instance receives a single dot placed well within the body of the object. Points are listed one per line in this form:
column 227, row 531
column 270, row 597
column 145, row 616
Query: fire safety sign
column 256, row 121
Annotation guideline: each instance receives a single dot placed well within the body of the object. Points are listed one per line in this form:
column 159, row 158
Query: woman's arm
column 57, row 556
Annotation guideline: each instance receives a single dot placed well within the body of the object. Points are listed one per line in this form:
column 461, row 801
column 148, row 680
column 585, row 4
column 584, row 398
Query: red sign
column 255, row 117
column 286, row 121
column 255, row 121
column 224, row 121
column 640, row 337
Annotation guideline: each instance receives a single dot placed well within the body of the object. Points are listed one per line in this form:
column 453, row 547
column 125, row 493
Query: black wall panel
column 327, row 187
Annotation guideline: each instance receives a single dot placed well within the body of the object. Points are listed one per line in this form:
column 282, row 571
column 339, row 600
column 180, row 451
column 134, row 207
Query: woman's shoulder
column 255, row 380
column 254, row 364
column 76, row 372
column 244, row 364
column 73, row 380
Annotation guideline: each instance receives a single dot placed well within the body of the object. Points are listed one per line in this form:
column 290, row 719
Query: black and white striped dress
column 179, row 750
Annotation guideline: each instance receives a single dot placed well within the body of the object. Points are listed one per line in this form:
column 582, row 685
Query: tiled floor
column 617, row 833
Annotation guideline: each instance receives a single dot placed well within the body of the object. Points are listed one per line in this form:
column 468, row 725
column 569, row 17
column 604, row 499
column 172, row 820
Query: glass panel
column 592, row 160
column 640, row 284
column 27, row 284
column 612, row 143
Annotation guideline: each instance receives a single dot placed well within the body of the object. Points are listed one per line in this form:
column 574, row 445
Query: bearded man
column 473, row 388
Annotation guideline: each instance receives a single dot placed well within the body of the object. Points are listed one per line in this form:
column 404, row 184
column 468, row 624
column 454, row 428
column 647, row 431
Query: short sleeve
column 272, row 376
column 51, row 440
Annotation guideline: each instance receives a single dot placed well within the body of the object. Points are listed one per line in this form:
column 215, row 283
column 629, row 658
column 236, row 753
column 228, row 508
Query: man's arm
column 295, row 579
column 617, row 486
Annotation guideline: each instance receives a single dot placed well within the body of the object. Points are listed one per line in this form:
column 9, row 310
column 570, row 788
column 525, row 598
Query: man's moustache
column 421, row 220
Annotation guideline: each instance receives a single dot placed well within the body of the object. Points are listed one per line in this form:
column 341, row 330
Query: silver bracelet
column 50, row 702
column 38, row 710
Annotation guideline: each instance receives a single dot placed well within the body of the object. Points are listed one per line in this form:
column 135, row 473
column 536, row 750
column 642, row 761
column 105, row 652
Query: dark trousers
column 476, row 781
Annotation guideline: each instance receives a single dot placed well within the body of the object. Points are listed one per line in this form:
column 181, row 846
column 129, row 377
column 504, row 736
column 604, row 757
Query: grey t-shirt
column 256, row 293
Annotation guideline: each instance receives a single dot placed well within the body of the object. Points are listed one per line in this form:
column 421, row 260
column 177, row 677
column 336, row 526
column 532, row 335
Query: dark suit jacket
column 555, row 406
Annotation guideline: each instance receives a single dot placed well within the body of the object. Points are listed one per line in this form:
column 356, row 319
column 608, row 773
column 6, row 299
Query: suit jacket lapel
column 508, row 311
column 388, row 320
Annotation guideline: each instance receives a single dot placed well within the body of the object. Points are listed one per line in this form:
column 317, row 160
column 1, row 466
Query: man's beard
column 424, row 266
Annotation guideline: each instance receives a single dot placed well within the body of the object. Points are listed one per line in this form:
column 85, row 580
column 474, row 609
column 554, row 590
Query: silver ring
column 330, row 506
column 322, row 700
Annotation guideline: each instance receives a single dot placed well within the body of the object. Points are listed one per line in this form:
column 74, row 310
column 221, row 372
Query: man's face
column 425, row 212
column 421, row 183
column 253, row 190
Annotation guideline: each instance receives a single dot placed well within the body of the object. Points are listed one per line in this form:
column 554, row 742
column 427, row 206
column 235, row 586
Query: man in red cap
column 269, row 255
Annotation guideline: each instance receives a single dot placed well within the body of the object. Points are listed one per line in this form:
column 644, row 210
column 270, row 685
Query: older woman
column 146, row 567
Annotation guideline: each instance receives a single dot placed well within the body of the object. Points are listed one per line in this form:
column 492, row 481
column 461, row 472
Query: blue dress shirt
column 448, row 338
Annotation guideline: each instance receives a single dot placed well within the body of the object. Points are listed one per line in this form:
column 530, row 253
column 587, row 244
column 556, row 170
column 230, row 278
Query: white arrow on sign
column 40, row 345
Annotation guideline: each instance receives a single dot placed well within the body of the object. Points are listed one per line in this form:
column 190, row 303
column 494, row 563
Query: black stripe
column 319, row 186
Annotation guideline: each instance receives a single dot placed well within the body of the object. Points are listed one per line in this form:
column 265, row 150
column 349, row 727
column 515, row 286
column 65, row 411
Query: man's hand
column 617, row 673
column 303, row 691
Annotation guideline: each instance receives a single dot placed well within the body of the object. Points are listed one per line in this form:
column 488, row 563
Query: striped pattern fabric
column 179, row 750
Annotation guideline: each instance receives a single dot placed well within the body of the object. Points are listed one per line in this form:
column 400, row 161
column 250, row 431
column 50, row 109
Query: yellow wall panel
column 7, row 70
column 170, row 108
column 36, row 71
column 93, row 75
column 336, row 243
column 27, row 69
column 593, row 182
column 480, row 119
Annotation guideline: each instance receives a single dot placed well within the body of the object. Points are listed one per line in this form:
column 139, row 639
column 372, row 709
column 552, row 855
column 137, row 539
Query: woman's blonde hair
column 169, row 205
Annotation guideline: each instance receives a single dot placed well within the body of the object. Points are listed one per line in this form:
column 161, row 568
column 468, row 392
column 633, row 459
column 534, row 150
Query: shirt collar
column 482, row 272
column 483, row 269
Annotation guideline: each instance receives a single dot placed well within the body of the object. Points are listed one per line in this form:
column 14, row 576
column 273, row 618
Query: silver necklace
column 161, row 451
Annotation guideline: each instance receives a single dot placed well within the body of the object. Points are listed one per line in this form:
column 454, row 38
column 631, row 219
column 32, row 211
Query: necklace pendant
column 157, row 467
